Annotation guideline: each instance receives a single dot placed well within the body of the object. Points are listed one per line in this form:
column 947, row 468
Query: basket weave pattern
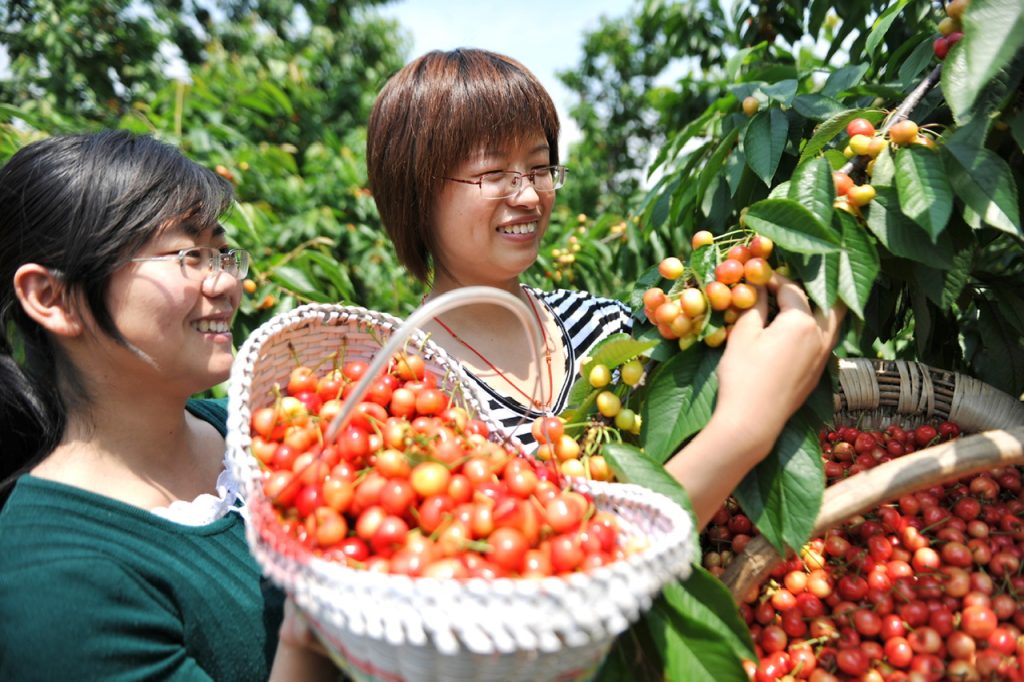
column 390, row 627
column 875, row 393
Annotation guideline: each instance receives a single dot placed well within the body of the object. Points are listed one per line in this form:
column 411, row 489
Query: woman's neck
column 141, row 449
column 442, row 284
column 491, row 340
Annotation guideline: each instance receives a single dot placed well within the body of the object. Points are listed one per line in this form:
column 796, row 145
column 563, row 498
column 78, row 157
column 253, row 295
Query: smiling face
column 481, row 241
column 179, row 328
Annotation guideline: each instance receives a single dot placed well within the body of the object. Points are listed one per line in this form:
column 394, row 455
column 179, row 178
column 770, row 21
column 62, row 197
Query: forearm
column 295, row 663
column 714, row 462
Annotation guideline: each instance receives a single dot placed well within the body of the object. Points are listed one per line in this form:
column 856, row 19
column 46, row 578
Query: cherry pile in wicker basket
column 412, row 485
column 925, row 588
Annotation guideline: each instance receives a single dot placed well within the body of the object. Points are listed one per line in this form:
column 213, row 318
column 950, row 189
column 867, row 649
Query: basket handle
column 868, row 489
column 426, row 312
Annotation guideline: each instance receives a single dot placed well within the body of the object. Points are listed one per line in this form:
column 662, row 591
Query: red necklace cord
column 547, row 358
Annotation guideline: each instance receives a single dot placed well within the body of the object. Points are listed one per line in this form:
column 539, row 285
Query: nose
column 221, row 283
column 526, row 195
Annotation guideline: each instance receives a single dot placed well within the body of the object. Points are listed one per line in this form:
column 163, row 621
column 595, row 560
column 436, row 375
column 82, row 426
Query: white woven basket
column 395, row 628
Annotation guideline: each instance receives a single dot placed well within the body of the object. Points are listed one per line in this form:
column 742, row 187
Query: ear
column 42, row 296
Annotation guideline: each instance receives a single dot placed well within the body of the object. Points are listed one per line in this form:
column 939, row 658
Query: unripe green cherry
column 632, row 372
column 624, row 419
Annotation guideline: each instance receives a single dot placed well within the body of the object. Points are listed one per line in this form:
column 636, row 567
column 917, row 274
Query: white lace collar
column 206, row 508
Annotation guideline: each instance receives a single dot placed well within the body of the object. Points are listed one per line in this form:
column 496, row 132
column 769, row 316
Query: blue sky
column 545, row 36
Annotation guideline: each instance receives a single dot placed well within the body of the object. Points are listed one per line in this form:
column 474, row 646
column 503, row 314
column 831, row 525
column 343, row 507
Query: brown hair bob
column 431, row 116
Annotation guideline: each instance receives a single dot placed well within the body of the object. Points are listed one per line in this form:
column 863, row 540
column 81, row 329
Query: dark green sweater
column 94, row 589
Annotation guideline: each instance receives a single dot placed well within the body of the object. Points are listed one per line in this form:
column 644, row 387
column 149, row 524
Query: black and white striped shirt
column 583, row 320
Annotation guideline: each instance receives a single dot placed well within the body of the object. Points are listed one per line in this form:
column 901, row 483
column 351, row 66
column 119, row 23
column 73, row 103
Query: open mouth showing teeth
column 215, row 326
column 524, row 228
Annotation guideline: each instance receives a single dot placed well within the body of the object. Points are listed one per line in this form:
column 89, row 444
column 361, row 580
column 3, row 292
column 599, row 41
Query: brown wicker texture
column 875, row 393
column 394, row 628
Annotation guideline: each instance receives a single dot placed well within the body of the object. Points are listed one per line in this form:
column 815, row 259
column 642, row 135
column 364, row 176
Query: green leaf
column 1001, row 363
column 820, row 275
column 943, row 287
column 925, row 195
column 296, row 280
column 678, row 140
column 714, row 163
column 781, row 92
column 632, row 465
column 703, row 261
column 582, row 398
column 764, row 141
column 825, row 131
column 736, row 61
column 680, row 397
column 811, row 186
column 884, row 170
column 843, row 79
column 816, row 107
column 881, row 26
column 331, row 268
column 782, row 494
column 614, row 351
column 918, row 60
column 903, row 237
column 698, row 631
column 1017, row 128
column 858, row 264
column 277, row 94
column 985, row 183
column 993, row 34
column 791, row 226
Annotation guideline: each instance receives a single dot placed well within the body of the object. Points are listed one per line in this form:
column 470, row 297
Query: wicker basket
column 875, row 393
column 388, row 627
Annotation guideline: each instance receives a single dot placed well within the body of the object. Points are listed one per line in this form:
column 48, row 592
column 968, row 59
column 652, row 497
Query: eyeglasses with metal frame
column 505, row 184
column 199, row 262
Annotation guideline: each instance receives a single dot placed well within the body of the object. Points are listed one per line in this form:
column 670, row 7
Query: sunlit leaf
column 714, row 163
column 828, row 129
column 764, row 141
column 882, row 24
column 698, row 632
column 791, row 226
column 985, row 183
column 782, row 494
column 812, row 187
column 680, row 397
column 614, row 351
column 632, row 465
column 993, row 35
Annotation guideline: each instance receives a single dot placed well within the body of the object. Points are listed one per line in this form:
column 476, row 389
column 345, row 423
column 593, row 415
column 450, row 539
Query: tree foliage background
column 275, row 96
